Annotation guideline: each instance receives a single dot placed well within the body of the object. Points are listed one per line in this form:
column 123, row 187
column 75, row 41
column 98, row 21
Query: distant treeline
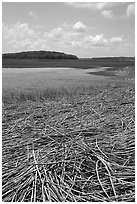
column 38, row 55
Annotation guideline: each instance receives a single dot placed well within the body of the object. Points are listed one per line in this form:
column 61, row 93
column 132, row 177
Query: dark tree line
column 38, row 55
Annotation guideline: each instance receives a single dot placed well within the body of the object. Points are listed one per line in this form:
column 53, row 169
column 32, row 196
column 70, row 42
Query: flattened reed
column 78, row 149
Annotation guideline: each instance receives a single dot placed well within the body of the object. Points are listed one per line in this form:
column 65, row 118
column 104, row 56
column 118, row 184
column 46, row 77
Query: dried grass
column 70, row 150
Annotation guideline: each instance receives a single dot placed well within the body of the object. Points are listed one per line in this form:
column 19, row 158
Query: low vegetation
column 120, row 72
column 70, row 145
column 79, row 63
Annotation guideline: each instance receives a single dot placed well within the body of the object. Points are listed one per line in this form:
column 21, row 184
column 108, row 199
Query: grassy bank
column 70, row 145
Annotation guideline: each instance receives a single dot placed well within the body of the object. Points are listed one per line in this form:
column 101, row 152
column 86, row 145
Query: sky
column 85, row 29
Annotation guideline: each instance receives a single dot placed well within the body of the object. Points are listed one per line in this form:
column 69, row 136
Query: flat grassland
column 70, row 143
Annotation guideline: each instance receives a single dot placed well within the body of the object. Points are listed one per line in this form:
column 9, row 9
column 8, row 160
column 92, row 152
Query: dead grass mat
column 78, row 149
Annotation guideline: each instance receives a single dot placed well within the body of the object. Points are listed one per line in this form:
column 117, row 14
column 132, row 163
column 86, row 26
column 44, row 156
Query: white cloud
column 79, row 27
column 20, row 44
column 32, row 14
column 116, row 39
column 97, row 40
column 21, row 36
column 54, row 33
column 107, row 14
column 131, row 10
column 104, row 8
column 18, row 31
column 39, row 44
column 93, row 6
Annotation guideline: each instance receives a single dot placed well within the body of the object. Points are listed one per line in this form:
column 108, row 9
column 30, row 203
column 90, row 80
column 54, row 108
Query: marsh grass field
column 33, row 82
column 68, row 137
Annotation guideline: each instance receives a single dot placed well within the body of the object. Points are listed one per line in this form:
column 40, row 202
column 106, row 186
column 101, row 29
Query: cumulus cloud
column 93, row 6
column 104, row 8
column 79, row 27
column 66, row 33
column 89, row 5
column 131, row 10
column 20, row 44
column 32, row 14
column 21, row 36
column 54, row 33
column 39, row 44
column 107, row 14
column 97, row 40
column 116, row 39
column 18, row 31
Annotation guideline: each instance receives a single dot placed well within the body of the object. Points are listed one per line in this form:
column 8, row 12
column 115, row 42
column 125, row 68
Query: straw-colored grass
column 80, row 148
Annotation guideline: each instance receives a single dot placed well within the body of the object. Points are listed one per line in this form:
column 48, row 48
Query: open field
column 70, row 143
column 30, row 82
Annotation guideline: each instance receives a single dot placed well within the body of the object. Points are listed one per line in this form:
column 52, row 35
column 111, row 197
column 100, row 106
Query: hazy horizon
column 83, row 29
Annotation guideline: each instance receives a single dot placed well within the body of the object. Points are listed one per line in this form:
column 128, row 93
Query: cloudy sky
column 84, row 29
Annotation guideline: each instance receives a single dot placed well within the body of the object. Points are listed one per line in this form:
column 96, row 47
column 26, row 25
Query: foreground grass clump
column 79, row 148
